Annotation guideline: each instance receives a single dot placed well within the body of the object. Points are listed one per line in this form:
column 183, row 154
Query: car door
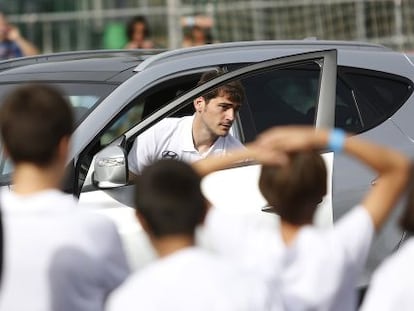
column 246, row 176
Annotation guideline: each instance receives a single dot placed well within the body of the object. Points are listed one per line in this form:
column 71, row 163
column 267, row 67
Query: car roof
column 101, row 65
column 249, row 45
column 117, row 65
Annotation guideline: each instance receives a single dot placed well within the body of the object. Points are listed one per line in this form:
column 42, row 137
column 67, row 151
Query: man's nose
column 230, row 114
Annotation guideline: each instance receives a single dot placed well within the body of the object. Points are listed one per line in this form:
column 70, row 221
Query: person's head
column 36, row 122
column 138, row 29
column 217, row 108
column 295, row 189
column 168, row 199
column 198, row 35
column 4, row 26
column 407, row 217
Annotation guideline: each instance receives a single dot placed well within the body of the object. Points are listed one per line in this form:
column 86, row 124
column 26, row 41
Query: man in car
column 57, row 256
column 195, row 137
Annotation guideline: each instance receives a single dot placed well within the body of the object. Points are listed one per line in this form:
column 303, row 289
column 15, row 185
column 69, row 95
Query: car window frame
column 325, row 107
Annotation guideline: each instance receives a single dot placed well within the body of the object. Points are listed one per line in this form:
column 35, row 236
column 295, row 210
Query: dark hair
column 131, row 24
column 295, row 190
column 168, row 196
column 233, row 90
column 407, row 217
column 33, row 120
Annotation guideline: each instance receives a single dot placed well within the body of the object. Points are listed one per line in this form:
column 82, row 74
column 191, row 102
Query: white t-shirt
column 57, row 256
column 391, row 286
column 190, row 279
column 172, row 138
column 318, row 271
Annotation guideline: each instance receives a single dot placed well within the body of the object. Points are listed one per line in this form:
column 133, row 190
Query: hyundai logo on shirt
column 167, row 154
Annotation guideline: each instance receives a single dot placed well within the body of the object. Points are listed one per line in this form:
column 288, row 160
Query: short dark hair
column 33, row 120
column 168, row 196
column 137, row 20
column 407, row 217
column 234, row 90
column 296, row 189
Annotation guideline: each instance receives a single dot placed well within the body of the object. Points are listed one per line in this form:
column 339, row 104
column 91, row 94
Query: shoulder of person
column 397, row 265
column 165, row 126
column 92, row 218
column 134, row 292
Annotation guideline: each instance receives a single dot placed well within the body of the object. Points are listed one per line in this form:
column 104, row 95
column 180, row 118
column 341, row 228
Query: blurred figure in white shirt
column 169, row 205
column 57, row 256
column 316, row 268
column 392, row 284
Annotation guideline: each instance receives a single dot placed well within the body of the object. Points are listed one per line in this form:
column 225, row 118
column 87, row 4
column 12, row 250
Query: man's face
column 218, row 114
column 138, row 34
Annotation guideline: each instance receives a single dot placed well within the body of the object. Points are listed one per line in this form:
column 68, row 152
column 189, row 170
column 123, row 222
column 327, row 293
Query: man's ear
column 199, row 104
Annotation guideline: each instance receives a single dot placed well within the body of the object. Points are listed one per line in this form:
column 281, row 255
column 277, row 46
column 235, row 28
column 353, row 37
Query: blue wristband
column 336, row 140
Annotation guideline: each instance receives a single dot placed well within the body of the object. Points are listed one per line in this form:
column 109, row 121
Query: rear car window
column 377, row 95
column 364, row 98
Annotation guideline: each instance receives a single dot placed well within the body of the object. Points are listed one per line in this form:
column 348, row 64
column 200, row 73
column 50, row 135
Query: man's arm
column 252, row 152
column 271, row 147
column 393, row 168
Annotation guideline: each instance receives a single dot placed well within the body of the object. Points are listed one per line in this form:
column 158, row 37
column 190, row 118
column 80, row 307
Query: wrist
column 320, row 138
column 336, row 140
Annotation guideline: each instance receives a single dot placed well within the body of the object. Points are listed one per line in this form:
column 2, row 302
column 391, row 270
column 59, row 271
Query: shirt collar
column 188, row 142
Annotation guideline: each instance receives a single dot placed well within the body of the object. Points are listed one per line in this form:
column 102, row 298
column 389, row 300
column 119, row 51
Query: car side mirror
column 110, row 168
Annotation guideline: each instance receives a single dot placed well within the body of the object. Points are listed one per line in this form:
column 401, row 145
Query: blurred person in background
column 12, row 44
column 197, row 30
column 197, row 36
column 138, row 34
column 58, row 256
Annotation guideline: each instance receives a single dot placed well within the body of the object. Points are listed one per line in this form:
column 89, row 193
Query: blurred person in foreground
column 392, row 284
column 12, row 44
column 58, row 256
column 170, row 205
column 138, row 34
column 316, row 268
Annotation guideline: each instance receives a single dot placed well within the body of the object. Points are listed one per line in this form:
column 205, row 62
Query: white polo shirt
column 318, row 271
column 57, row 257
column 172, row 138
column 391, row 287
column 190, row 279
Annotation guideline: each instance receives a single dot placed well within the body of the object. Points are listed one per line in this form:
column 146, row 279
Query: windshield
column 83, row 98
